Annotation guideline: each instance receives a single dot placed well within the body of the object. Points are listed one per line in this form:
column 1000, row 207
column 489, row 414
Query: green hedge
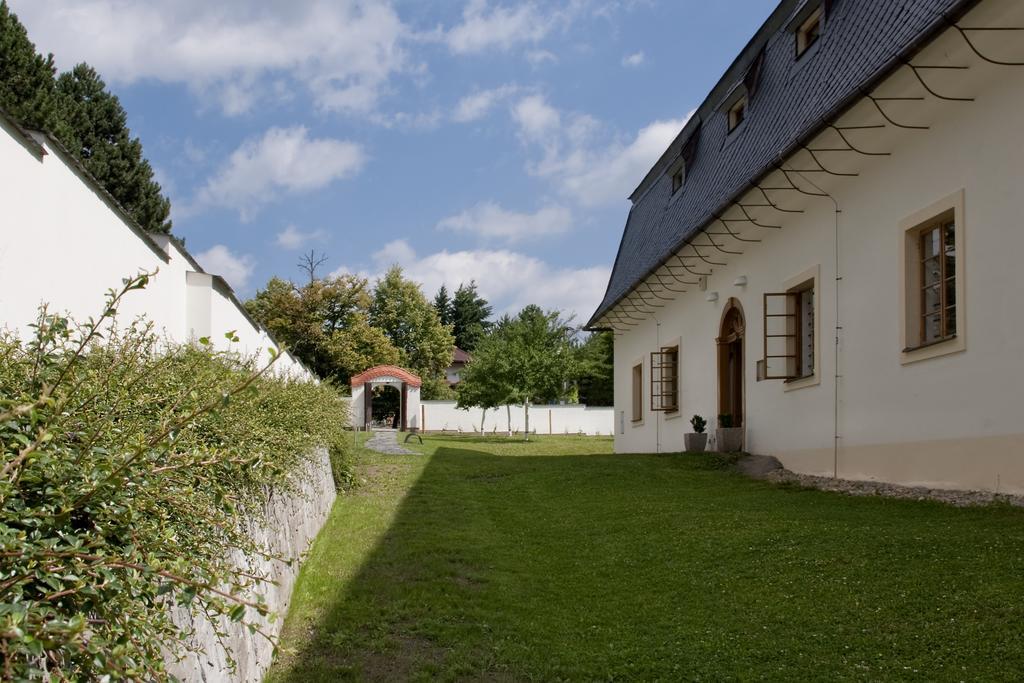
column 128, row 468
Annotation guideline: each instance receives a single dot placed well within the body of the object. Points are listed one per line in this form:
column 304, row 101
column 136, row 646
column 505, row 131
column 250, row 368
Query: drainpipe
column 839, row 328
column 657, row 415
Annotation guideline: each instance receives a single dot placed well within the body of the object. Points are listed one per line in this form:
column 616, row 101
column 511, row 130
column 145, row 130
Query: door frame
column 727, row 339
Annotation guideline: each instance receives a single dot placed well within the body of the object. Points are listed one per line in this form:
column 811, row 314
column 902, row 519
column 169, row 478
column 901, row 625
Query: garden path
column 386, row 441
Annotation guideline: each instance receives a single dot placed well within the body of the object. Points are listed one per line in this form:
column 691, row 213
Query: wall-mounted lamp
column 740, row 281
column 711, row 296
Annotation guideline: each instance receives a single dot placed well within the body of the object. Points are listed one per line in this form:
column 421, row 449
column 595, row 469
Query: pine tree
column 470, row 312
column 27, row 90
column 96, row 131
column 443, row 306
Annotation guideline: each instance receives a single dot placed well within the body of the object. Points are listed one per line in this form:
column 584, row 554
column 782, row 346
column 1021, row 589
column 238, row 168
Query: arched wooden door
column 730, row 363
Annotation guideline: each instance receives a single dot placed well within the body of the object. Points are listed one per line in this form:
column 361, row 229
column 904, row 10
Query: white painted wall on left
column 65, row 242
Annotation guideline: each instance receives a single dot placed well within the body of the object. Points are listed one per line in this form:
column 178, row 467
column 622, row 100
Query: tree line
column 536, row 357
column 76, row 108
column 341, row 325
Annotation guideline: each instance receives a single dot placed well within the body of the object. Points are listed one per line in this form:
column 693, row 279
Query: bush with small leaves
column 129, row 469
column 698, row 423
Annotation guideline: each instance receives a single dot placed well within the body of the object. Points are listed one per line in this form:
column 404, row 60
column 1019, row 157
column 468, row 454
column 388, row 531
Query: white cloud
column 393, row 253
column 500, row 27
column 293, row 238
column 508, row 279
column 235, row 268
column 343, row 52
column 635, row 59
column 538, row 58
column 402, row 120
column 535, row 117
column 592, row 169
column 609, row 175
column 283, row 160
column 489, row 220
column 476, row 105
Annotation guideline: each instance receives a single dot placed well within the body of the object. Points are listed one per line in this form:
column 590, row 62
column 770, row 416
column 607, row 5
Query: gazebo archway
column 407, row 384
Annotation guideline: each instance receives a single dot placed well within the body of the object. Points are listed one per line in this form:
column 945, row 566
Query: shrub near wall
column 127, row 471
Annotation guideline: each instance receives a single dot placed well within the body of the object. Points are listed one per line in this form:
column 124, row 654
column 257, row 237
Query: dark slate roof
column 863, row 41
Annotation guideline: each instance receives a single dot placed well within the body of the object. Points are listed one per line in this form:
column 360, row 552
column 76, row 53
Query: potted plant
column 698, row 440
column 728, row 439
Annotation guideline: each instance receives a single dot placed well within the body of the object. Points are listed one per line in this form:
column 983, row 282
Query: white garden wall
column 64, row 242
column 438, row 416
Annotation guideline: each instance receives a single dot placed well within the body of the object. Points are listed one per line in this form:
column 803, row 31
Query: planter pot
column 729, row 439
column 695, row 443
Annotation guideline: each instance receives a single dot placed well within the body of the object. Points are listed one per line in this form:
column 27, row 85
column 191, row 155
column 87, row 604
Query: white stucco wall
column 544, row 419
column 952, row 421
column 63, row 243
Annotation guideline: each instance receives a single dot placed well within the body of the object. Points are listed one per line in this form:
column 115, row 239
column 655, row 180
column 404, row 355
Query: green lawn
column 555, row 560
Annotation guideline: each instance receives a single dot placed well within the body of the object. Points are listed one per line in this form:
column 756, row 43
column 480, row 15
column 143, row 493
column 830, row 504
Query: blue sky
column 462, row 139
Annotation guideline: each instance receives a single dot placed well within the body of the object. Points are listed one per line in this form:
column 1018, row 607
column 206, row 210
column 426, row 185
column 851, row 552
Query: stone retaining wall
column 288, row 525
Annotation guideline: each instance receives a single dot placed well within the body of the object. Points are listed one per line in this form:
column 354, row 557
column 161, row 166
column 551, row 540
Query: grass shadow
column 594, row 566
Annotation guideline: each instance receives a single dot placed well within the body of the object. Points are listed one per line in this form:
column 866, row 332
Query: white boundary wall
column 64, row 242
column 436, row 416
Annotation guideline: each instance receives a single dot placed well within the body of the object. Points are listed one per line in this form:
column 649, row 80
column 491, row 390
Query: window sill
column 673, row 415
column 954, row 344
column 912, row 349
column 802, row 382
column 637, row 423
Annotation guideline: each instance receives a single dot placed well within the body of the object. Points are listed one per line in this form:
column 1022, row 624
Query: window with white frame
column 933, row 306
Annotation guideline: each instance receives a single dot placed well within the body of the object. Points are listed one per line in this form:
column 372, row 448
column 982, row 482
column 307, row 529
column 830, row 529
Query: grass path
column 555, row 560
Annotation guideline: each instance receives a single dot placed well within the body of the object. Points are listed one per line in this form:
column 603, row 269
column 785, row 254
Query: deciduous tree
column 484, row 382
column 325, row 324
column 527, row 359
column 402, row 312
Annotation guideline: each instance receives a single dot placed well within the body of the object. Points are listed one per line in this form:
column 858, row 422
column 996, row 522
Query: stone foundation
column 288, row 525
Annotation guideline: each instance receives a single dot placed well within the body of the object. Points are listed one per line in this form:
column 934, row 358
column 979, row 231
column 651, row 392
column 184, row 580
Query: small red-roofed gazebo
column 408, row 385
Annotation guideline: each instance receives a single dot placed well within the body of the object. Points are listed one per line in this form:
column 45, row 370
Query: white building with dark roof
column 827, row 254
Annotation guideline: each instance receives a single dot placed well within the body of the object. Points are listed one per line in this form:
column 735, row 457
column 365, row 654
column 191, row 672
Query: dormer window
column 678, row 176
column 808, row 32
column 737, row 113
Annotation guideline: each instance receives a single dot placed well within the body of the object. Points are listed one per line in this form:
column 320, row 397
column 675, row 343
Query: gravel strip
column 876, row 488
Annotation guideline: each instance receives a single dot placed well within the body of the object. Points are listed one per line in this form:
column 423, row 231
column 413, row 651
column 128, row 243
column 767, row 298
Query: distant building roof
column 790, row 101
column 460, row 356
